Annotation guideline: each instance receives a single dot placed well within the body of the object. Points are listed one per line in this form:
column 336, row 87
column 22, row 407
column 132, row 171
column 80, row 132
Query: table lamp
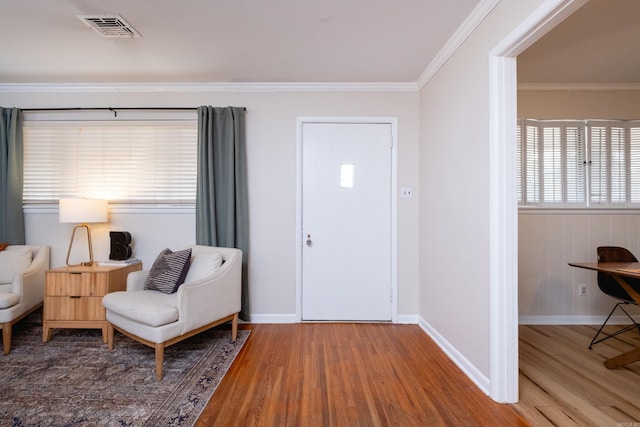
column 82, row 212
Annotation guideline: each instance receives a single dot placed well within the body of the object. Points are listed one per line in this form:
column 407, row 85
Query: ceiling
column 293, row 41
column 598, row 44
column 227, row 40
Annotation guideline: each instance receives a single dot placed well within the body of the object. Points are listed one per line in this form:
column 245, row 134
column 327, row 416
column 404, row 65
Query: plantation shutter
column 532, row 164
column 571, row 163
column 519, row 168
column 634, row 161
column 618, row 165
column 598, row 184
column 552, row 164
column 575, row 164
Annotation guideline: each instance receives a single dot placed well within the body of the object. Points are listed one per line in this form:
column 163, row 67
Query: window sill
column 577, row 211
column 120, row 209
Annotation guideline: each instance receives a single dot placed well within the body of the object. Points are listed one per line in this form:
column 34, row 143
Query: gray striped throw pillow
column 168, row 271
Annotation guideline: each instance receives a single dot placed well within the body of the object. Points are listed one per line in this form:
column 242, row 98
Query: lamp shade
column 82, row 210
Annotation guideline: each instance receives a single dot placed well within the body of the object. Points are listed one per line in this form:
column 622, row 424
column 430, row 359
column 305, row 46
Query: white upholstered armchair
column 22, row 270
column 209, row 296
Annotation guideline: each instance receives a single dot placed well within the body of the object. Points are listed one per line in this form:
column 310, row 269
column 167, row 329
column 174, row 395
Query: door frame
column 393, row 121
column 503, row 204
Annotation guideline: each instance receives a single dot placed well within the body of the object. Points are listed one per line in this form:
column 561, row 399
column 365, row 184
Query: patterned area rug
column 74, row 380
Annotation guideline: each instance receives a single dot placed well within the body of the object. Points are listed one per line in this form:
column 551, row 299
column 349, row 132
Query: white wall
column 579, row 104
column 150, row 234
column 271, row 152
column 548, row 287
column 549, row 240
column 454, row 167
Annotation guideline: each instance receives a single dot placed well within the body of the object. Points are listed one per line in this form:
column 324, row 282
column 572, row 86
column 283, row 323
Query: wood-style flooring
column 563, row 383
column 343, row 374
column 335, row 374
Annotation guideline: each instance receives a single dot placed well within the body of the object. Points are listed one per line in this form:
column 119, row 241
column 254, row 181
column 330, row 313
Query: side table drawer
column 76, row 284
column 73, row 308
column 73, row 296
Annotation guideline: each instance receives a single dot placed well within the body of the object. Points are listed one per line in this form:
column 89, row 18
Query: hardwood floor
column 343, row 374
column 563, row 383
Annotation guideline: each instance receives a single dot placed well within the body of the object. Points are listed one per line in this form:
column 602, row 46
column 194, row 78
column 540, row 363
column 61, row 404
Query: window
column 572, row 163
column 125, row 162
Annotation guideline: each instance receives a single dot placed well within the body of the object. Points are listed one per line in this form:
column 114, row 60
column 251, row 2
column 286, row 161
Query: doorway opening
column 503, row 202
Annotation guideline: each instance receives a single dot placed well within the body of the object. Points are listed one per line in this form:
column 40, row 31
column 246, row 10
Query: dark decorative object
column 120, row 249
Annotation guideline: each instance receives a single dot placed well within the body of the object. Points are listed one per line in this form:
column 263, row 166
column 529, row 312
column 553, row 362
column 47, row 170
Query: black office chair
column 609, row 286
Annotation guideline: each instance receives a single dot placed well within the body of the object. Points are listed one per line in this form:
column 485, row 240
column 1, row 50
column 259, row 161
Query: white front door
column 346, row 221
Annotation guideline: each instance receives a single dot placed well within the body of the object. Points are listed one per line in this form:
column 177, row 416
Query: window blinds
column 572, row 163
column 123, row 162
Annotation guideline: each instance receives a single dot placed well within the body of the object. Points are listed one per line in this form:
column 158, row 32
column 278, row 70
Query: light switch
column 406, row 193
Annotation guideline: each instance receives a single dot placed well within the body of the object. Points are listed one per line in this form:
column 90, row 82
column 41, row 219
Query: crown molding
column 204, row 87
column 579, row 86
column 462, row 33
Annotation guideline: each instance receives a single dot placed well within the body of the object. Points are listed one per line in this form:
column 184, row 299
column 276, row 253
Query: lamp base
column 84, row 263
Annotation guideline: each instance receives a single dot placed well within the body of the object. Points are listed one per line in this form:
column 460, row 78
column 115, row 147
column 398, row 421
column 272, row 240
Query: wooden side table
column 73, row 296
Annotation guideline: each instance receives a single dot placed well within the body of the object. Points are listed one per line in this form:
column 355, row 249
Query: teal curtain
column 11, row 166
column 222, row 214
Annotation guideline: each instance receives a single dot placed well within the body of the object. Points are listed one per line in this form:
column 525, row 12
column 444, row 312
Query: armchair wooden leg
column 6, row 337
column 159, row 360
column 110, row 334
column 234, row 328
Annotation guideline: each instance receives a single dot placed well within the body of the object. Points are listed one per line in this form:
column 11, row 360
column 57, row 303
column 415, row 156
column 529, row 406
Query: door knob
column 309, row 242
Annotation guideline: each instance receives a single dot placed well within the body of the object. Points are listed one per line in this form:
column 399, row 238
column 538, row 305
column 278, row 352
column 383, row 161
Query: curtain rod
column 112, row 109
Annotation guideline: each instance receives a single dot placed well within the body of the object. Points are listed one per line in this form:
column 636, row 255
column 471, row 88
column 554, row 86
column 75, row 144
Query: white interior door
column 346, row 221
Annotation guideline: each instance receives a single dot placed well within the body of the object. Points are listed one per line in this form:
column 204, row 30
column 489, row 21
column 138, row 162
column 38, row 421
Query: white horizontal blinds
column 38, row 175
column 132, row 163
column 163, row 165
column 634, row 161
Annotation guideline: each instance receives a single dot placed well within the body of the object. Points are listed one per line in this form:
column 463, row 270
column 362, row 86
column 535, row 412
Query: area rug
column 74, row 380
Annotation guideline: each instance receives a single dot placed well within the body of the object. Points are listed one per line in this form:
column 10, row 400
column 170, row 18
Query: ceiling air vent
column 109, row 25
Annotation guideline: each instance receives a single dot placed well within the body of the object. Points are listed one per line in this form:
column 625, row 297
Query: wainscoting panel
column 547, row 241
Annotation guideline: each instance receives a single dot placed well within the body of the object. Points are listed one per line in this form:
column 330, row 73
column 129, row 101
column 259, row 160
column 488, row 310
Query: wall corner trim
column 468, row 26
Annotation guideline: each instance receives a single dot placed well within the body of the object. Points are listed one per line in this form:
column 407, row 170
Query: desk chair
column 609, row 286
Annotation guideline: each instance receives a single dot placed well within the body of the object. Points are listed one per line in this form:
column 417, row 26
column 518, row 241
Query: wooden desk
column 618, row 270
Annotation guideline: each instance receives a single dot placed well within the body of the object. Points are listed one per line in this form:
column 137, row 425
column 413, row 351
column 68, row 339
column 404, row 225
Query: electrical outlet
column 582, row 289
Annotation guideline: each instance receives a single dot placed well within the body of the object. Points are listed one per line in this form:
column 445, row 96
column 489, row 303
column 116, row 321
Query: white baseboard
column 291, row 318
column 573, row 320
column 272, row 318
column 473, row 373
column 410, row 319
column 467, row 367
column 414, row 319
